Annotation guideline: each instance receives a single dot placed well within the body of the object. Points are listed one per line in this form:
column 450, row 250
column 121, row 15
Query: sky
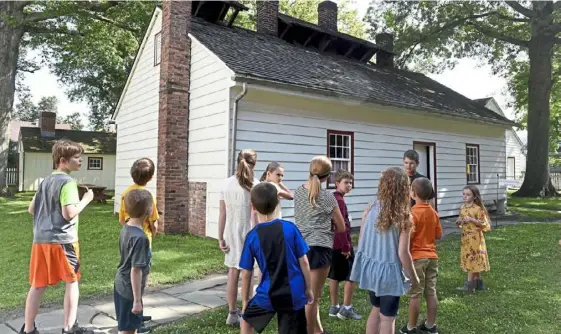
column 467, row 78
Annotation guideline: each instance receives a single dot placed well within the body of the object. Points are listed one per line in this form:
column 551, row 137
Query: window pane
column 346, row 153
column 345, row 165
column 339, row 152
column 339, row 140
column 331, row 140
column 332, row 152
column 346, row 141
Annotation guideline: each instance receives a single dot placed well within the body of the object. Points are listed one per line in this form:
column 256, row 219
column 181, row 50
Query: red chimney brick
column 173, row 123
column 268, row 17
column 47, row 123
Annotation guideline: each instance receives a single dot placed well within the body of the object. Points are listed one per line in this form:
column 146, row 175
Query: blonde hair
column 393, row 196
column 65, row 149
column 273, row 166
column 320, row 168
column 246, row 161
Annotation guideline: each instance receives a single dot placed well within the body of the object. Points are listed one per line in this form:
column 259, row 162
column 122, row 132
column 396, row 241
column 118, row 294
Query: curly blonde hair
column 393, row 196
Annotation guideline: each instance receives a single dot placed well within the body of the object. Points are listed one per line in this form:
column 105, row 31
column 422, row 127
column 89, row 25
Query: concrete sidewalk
column 164, row 306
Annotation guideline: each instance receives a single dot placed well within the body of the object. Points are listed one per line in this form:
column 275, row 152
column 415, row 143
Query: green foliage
column 175, row 258
column 26, row 110
column 74, row 120
column 89, row 46
column 307, row 10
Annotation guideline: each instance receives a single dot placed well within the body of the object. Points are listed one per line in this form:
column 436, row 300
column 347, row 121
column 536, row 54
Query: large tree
column 431, row 35
column 89, row 45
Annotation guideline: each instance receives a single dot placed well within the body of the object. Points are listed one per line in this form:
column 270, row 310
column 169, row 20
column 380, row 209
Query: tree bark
column 537, row 182
column 10, row 38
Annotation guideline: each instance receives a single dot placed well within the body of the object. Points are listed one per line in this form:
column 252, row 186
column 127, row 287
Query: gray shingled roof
column 93, row 142
column 263, row 57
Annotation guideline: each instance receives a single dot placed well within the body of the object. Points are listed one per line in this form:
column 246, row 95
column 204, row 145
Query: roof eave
column 324, row 94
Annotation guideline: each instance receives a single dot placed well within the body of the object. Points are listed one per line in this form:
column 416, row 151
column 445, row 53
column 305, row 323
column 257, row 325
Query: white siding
column 292, row 131
column 208, row 126
column 38, row 165
column 137, row 116
column 514, row 149
column 513, row 145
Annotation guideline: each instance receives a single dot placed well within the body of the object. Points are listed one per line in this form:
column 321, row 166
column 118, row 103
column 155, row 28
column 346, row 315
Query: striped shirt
column 315, row 222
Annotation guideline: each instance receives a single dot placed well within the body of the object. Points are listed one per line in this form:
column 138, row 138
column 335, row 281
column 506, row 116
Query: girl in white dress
column 234, row 222
column 274, row 173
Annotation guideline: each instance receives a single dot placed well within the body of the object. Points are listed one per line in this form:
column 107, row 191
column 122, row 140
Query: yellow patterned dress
column 473, row 256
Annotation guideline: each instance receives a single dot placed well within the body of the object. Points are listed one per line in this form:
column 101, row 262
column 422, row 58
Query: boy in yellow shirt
column 142, row 171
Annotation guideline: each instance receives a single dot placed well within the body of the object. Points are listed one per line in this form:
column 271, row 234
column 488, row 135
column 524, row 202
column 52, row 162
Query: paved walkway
column 164, row 306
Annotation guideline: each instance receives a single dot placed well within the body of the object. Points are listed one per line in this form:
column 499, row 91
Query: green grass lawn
column 175, row 258
column 535, row 209
column 524, row 293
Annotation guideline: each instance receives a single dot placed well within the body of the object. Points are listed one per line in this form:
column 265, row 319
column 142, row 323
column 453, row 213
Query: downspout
column 235, row 128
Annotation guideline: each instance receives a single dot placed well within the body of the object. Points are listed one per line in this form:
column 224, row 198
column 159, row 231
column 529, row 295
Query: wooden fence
column 12, row 176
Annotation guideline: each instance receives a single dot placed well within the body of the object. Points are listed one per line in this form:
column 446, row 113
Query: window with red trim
column 340, row 150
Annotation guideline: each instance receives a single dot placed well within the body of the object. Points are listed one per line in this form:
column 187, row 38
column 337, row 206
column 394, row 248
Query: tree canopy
column 520, row 40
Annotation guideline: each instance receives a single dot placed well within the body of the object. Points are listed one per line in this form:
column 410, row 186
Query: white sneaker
column 233, row 318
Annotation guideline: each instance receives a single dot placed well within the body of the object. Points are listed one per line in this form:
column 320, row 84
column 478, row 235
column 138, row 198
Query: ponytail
column 264, row 176
column 314, row 188
column 244, row 173
column 320, row 169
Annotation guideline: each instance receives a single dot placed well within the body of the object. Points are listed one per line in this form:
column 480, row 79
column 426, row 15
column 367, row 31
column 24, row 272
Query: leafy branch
column 451, row 25
column 520, row 9
column 487, row 31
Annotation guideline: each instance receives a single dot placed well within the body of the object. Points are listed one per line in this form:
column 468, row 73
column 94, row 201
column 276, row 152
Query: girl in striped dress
column 313, row 210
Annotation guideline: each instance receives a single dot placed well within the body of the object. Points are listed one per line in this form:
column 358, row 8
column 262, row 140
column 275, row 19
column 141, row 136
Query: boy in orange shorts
column 142, row 171
column 55, row 254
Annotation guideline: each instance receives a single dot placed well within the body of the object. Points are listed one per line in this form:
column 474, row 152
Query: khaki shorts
column 427, row 270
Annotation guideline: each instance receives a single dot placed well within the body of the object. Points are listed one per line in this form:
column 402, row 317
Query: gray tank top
column 49, row 226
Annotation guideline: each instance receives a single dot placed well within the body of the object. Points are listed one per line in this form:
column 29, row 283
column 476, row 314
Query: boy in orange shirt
column 426, row 231
column 142, row 171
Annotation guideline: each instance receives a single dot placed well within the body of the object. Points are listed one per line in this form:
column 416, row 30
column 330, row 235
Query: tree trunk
column 10, row 38
column 537, row 182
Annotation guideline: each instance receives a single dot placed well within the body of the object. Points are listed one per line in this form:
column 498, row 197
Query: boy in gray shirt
column 134, row 266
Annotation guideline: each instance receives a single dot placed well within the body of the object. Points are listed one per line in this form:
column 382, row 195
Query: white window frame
column 337, row 160
column 473, row 161
column 157, row 49
column 95, row 159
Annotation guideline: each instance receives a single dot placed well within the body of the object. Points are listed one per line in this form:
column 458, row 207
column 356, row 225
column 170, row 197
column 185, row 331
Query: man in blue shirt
column 280, row 251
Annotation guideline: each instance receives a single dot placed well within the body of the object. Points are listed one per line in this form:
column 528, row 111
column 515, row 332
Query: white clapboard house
column 291, row 90
column 515, row 148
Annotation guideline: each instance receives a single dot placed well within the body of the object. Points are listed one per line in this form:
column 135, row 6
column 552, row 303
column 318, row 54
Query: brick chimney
column 384, row 59
column 173, row 127
column 47, row 124
column 267, row 17
column 327, row 15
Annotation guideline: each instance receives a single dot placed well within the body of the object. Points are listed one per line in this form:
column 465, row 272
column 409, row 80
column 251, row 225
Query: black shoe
column 432, row 330
column 78, row 330
column 405, row 330
column 479, row 285
column 34, row 331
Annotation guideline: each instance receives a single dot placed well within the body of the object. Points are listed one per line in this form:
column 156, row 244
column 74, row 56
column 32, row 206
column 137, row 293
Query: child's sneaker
column 346, row 314
column 406, row 330
column 34, row 331
column 432, row 330
column 233, row 318
column 76, row 329
column 333, row 310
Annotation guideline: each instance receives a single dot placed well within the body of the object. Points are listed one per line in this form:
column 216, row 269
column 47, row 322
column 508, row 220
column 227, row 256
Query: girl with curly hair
column 383, row 251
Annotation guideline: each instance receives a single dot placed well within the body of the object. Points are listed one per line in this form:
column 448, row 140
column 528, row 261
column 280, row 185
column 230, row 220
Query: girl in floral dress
column 473, row 220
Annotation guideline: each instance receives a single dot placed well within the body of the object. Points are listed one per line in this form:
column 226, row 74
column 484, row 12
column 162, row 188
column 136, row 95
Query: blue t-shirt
column 277, row 246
